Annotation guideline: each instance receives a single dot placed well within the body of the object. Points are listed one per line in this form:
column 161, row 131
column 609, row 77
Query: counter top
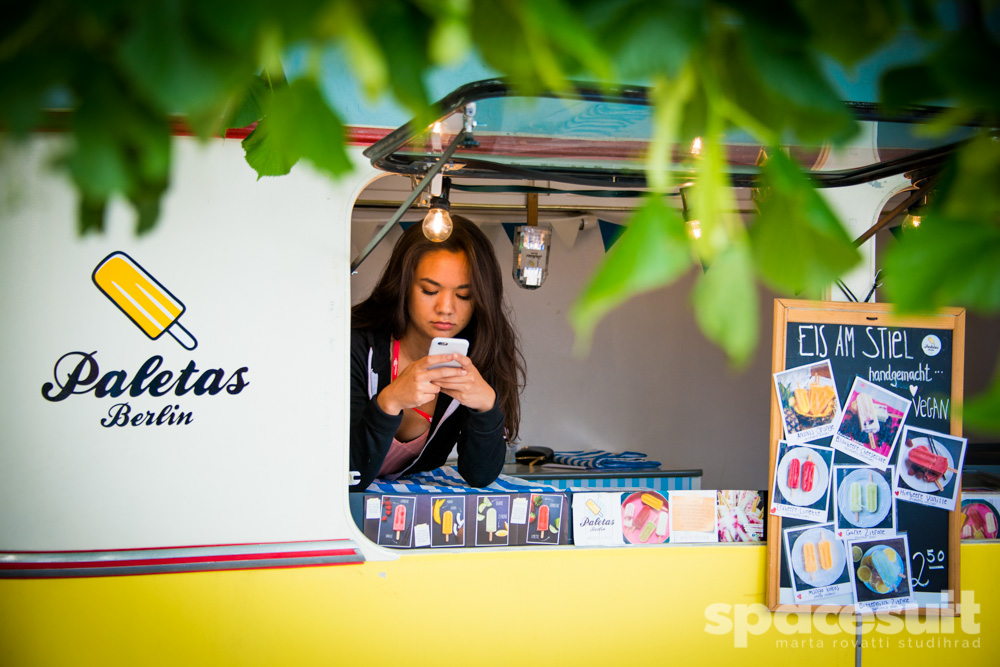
column 549, row 472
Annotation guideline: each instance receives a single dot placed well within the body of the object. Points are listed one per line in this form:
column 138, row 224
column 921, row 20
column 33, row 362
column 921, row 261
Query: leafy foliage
column 128, row 70
column 799, row 245
column 954, row 258
column 725, row 301
column 651, row 253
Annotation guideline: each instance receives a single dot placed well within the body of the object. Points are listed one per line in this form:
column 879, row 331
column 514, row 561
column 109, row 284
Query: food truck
column 175, row 482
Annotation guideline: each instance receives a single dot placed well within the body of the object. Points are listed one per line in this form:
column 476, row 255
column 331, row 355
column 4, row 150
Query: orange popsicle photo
column 145, row 301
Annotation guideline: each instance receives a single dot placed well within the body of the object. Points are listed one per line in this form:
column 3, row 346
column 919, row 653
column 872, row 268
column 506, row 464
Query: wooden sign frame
column 788, row 311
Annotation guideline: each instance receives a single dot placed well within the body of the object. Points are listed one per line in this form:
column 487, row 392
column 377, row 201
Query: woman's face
column 440, row 299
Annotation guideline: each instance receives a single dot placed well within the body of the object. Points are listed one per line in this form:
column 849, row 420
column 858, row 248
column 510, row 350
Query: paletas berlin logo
column 152, row 308
column 142, row 298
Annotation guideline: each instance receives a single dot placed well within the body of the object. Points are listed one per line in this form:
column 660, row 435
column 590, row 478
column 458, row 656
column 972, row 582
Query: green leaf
column 850, row 30
column 711, row 196
column 946, row 262
column 265, row 153
column 450, row 41
column 97, row 166
column 780, row 87
column 558, row 22
column 310, row 127
column 953, row 258
column 910, row 85
column 777, row 21
column 669, row 99
column 24, row 82
column 537, row 43
column 362, row 49
column 982, row 412
column 966, row 67
column 970, row 185
column 502, row 41
column 798, row 243
column 177, row 63
column 299, row 124
column 652, row 253
column 250, row 105
column 645, row 38
column 725, row 303
column 402, row 32
column 90, row 214
column 145, row 199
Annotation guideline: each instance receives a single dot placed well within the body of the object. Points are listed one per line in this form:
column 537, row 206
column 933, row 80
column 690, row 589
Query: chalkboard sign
column 919, row 358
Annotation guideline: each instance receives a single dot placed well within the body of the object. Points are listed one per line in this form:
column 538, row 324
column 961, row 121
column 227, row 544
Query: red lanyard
column 395, row 372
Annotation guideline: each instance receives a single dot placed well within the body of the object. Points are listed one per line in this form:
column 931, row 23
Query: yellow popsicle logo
column 145, row 301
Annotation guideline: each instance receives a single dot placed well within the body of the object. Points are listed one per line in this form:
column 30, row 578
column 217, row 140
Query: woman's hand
column 466, row 384
column 418, row 384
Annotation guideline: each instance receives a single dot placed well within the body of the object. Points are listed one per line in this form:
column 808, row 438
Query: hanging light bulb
column 696, row 146
column 437, row 224
column 913, row 218
column 914, row 215
column 693, row 229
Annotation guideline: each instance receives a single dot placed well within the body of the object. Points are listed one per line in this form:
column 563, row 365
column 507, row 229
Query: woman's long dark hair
column 493, row 344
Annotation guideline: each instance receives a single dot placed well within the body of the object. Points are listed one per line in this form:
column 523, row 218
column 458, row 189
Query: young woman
column 405, row 416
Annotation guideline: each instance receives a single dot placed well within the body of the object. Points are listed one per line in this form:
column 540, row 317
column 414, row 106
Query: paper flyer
column 817, row 562
column 801, row 487
column 863, row 502
column 809, row 402
column 929, row 468
column 693, row 517
column 597, row 519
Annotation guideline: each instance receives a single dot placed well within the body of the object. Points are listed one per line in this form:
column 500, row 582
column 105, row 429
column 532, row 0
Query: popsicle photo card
column 492, row 521
column 817, row 561
column 801, row 487
column 645, row 518
column 597, row 519
column 980, row 518
column 545, row 518
column 863, row 501
column 871, row 423
column 395, row 527
column 929, row 468
column 809, row 403
column 880, row 574
column 740, row 516
column 693, row 517
column 448, row 516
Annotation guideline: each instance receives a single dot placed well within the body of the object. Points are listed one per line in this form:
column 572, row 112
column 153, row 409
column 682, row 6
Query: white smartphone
column 448, row 346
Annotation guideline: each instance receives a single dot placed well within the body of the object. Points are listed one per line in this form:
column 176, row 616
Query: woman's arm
column 481, row 447
column 372, row 429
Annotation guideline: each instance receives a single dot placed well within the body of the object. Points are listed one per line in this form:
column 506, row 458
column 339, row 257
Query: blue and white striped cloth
column 598, row 458
column 447, row 480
